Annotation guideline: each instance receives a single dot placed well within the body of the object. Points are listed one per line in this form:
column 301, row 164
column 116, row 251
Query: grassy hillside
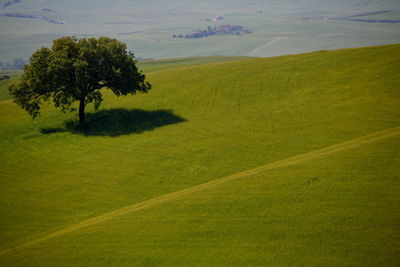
column 163, row 64
column 146, row 66
column 4, row 84
column 200, row 123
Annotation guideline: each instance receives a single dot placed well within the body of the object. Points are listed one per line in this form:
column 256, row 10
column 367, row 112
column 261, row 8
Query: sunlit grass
column 235, row 115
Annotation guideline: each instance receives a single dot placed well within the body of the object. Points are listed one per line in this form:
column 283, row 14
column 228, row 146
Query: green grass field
column 162, row 64
column 202, row 123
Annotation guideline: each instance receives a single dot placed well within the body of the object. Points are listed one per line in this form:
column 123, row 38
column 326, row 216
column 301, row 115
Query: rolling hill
column 147, row 66
column 291, row 160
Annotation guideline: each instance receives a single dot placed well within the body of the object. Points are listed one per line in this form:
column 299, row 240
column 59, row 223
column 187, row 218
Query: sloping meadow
column 200, row 123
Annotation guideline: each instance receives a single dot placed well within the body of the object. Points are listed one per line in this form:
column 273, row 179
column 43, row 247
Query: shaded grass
column 116, row 122
column 4, row 84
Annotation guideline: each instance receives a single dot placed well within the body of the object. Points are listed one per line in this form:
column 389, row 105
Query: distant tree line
column 9, row 3
column 27, row 16
column 48, row 10
column 376, row 20
column 15, row 64
column 210, row 31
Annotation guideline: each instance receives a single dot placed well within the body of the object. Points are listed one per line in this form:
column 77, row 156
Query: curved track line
column 178, row 194
column 267, row 44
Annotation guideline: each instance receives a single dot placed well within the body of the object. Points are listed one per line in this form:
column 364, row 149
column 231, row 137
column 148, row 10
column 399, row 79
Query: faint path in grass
column 267, row 44
column 179, row 194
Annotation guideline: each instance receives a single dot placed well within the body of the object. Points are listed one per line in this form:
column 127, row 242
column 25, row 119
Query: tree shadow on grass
column 116, row 122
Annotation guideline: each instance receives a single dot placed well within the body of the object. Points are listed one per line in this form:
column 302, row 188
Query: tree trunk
column 82, row 111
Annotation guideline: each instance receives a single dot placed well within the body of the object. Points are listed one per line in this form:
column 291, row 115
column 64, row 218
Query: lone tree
column 75, row 70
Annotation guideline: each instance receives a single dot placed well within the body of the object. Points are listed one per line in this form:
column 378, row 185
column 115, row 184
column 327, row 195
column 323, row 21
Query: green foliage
column 75, row 70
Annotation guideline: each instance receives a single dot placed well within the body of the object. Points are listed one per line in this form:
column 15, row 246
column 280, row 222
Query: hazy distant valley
column 277, row 27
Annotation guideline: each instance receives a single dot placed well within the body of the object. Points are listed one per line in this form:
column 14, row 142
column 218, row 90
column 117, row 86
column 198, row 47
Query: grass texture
column 198, row 124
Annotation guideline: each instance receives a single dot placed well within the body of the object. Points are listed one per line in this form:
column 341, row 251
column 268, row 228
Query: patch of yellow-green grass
column 163, row 64
column 337, row 210
column 213, row 120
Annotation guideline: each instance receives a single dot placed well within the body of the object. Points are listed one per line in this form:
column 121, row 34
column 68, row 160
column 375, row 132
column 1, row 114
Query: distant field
column 148, row 26
column 198, row 124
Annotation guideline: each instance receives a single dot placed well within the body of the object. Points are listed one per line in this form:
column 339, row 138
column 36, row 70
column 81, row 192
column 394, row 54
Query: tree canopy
column 74, row 70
